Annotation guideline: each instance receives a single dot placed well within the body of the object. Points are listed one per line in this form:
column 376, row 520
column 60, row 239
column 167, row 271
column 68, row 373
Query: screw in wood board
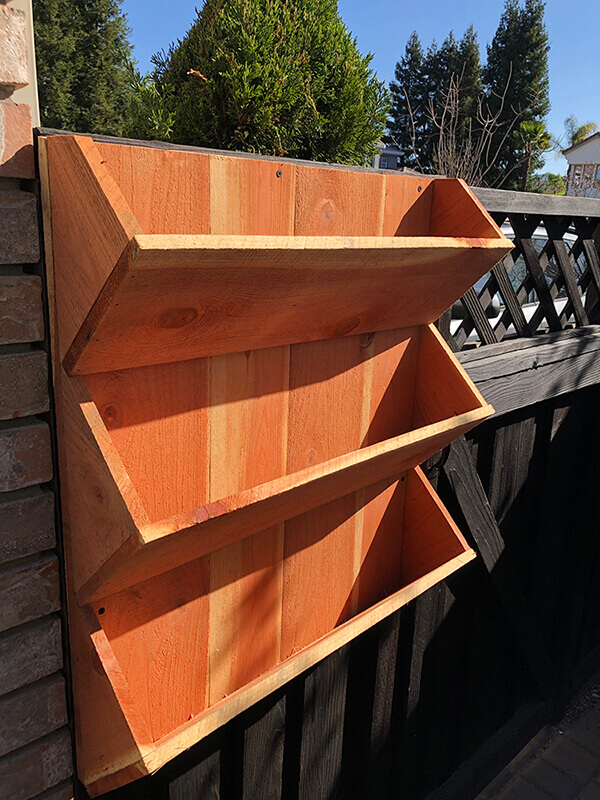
column 279, row 173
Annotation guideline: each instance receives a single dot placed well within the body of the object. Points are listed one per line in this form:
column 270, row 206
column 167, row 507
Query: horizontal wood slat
column 24, row 382
column 183, row 297
column 518, row 373
column 26, row 523
column 37, row 767
column 509, row 202
column 21, row 309
column 25, row 455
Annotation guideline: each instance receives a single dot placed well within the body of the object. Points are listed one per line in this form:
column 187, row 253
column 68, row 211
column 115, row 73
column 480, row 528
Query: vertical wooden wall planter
column 247, row 378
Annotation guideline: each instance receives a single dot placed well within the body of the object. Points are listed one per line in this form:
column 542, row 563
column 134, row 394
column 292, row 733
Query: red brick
column 23, row 384
column 28, row 772
column 30, row 652
column 32, row 712
column 25, row 456
column 29, row 589
column 62, row 792
column 19, row 236
column 13, row 53
column 26, row 524
column 16, row 141
column 21, row 309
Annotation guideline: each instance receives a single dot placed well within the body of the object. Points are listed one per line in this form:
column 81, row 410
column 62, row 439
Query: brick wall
column 35, row 745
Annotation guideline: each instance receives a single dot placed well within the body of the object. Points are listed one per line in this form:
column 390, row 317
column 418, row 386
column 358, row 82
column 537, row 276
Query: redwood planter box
column 247, row 378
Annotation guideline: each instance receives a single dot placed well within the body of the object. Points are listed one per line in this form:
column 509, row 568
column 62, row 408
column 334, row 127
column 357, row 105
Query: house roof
column 581, row 143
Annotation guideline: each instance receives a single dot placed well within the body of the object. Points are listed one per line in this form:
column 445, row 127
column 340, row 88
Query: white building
column 583, row 176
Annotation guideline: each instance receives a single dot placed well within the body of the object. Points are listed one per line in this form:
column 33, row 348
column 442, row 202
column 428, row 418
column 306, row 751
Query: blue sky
column 383, row 26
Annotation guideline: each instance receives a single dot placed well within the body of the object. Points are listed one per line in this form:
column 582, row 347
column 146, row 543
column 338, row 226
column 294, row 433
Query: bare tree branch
column 467, row 148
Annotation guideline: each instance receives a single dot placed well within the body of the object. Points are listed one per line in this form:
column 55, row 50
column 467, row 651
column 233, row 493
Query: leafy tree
column 548, row 183
column 273, row 76
column 575, row 132
column 517, row 86
column 82, row 49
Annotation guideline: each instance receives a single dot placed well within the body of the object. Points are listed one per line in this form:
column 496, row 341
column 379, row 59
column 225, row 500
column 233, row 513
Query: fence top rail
column 158, row 145
column 508, row 202
column 493, row 200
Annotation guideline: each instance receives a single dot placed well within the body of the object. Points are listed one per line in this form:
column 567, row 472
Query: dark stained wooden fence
column 434, row 701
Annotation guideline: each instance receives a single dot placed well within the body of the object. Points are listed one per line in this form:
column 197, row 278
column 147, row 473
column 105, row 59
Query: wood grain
column 516, row 374
column 227, row 709
column 91, row 225
column 333, row 202
column 407, row 206
column 426, row 544
column 236, row 456
column 167, row 190
column 105, row 705
column 455, row 211
column 327, row 389
column 158, row 633
column 205, row 295
column 249, row 418
column 170, row 543
column 248, row 434
column 443, row 389
column 393, row 358
column 102, row 498
column 158, row 420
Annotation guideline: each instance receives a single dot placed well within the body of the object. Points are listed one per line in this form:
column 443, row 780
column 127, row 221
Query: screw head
column 279, row 173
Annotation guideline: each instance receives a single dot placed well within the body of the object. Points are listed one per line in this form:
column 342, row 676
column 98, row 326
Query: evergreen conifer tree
column 82, row 50
column 409, row 100
column 471, row 84
column 517, row 86
column 420, row 93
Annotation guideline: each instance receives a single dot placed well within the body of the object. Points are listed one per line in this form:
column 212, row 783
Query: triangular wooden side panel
column 104, row 512
column 91, row 226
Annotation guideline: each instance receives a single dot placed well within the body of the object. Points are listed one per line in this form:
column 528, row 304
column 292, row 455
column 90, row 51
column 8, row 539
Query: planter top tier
column 247, row 378
column 173, row 274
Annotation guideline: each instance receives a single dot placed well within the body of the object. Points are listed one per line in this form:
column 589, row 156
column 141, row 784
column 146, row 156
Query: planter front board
column 247, row 378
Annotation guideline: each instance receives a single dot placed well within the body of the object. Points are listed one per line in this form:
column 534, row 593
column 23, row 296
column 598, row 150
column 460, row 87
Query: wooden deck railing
column 549, row 282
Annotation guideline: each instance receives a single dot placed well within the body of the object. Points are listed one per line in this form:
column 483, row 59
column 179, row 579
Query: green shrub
column 275, row 77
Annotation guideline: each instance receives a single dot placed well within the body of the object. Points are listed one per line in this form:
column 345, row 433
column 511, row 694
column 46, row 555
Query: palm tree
column 532, row 139
column 575, row 132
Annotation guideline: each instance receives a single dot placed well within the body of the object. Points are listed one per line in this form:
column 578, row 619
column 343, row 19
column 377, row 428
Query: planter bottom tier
column 247, row 377
column 174, row 657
